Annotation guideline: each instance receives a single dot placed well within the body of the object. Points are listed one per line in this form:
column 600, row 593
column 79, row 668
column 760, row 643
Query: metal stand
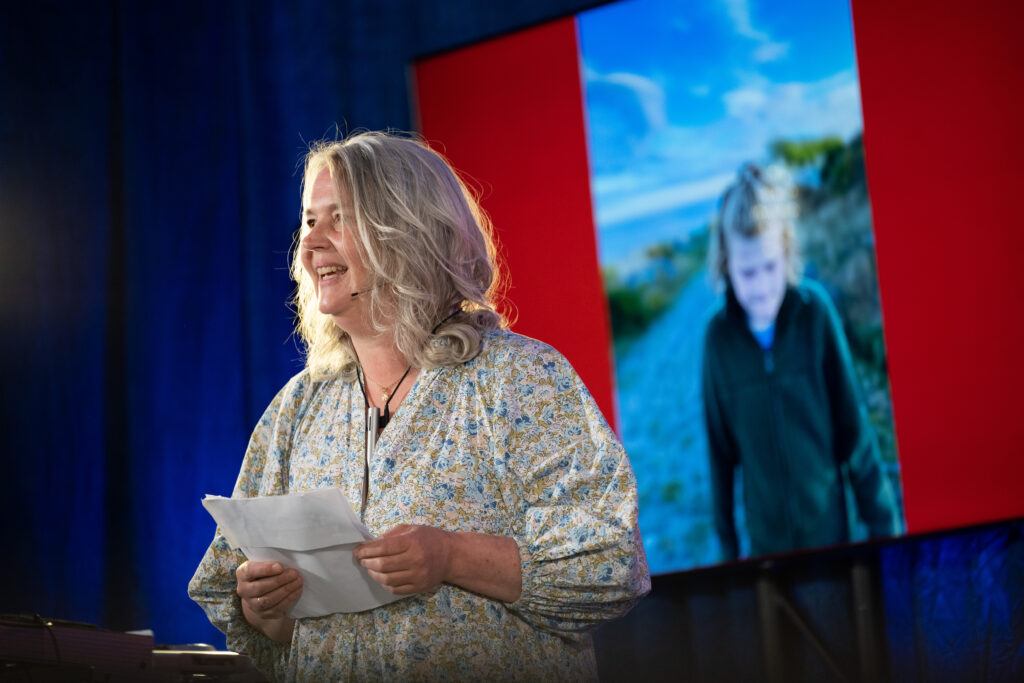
column 773, row 603
column 868, row 623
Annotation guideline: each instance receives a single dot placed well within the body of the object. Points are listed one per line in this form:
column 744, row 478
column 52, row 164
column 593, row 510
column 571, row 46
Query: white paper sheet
column 314, row 532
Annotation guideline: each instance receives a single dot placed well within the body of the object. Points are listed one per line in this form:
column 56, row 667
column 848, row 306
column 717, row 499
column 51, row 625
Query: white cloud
column 827, row 107
column 649, row 94
column 702, row 160
column 745, row 103
column 770, row 51
column 650, row 203
column 739, row 13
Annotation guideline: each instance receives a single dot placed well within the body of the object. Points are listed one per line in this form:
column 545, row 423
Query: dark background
column 148, row 171
column 148, row 193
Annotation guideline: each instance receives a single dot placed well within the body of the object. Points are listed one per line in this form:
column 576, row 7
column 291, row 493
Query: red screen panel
column 527, row 104
column 940, row 105
column 945, row 161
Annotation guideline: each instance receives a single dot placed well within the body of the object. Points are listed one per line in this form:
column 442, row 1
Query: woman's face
column 329, row 253
column 757, row 272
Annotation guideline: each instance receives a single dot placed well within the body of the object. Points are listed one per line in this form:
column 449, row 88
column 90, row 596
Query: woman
column 503, row 504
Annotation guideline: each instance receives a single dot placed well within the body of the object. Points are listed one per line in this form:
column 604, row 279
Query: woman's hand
column 408, row 559
column 268, row 591
column 412, row 559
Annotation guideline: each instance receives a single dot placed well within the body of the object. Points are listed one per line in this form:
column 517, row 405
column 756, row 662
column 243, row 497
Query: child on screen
column 780, row 400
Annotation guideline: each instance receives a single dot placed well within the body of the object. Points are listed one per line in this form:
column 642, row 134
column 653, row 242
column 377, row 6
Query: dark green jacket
column 791, row 420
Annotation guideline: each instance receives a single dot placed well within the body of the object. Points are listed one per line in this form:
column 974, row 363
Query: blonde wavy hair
column 760, row 198
column 427, row 246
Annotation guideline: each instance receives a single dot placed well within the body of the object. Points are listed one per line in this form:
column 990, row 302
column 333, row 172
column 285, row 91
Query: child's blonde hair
column 761, row 197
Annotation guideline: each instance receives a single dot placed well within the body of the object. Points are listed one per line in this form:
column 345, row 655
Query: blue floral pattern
column 510, row 443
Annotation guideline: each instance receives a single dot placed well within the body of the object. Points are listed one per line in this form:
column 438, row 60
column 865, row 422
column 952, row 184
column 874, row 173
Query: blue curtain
column 56, row 219
column 954, row 606
column 148, row 197
column 944, row 608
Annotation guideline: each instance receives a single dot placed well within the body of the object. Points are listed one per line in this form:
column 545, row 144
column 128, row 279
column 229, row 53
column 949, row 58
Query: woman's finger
column 253, row 571
column 385, row 546
column 387, row 564
column 254, row 582
column 392, row 578
column 277, row 602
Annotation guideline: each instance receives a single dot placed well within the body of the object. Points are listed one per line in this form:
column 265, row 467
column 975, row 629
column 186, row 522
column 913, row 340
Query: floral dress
column 511, row 444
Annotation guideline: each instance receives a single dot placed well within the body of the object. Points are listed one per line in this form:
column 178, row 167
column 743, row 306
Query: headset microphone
column 355, row 294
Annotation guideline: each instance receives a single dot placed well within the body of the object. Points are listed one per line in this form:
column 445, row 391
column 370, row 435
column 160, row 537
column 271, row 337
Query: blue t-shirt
column 764, row 337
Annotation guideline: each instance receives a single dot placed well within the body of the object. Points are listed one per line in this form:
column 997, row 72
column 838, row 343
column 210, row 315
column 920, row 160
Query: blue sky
column 680, row 94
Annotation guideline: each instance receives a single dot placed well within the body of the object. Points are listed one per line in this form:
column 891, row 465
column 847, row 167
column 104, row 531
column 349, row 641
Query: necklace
column 375, row 422
column 387, row 392
column 388, row 395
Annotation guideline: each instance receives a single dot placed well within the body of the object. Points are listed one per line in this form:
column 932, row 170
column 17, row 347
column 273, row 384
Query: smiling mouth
column 330, row 272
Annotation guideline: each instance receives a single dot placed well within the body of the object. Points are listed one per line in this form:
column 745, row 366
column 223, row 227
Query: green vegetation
column 837, row 246
column 636, row 303
column 841, row 165
column 796, row 154
column 842, row 169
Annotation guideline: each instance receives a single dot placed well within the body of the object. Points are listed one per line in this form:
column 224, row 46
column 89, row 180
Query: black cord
column 386, row 413
column 38, row 620
column 447, row 318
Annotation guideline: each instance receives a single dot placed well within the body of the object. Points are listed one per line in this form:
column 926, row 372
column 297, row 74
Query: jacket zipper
column 769, row 368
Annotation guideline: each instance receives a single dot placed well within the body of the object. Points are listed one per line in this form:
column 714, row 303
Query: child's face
column 757, row 271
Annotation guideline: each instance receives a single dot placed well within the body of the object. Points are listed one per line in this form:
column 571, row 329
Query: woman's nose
column 314, row 239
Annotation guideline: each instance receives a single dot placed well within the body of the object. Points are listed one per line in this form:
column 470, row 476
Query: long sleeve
column 855, row 443
column 721, row 455
column 572, row 495
column 510, row 444
column 213, row 585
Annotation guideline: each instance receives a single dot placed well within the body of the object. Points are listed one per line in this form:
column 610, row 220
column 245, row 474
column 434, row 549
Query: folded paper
column 314, row 532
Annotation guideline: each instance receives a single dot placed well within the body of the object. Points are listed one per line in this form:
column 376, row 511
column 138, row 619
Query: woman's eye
column 310, row 222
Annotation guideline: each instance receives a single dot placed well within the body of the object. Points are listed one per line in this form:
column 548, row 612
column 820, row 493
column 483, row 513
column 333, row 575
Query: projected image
column 752, row 392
